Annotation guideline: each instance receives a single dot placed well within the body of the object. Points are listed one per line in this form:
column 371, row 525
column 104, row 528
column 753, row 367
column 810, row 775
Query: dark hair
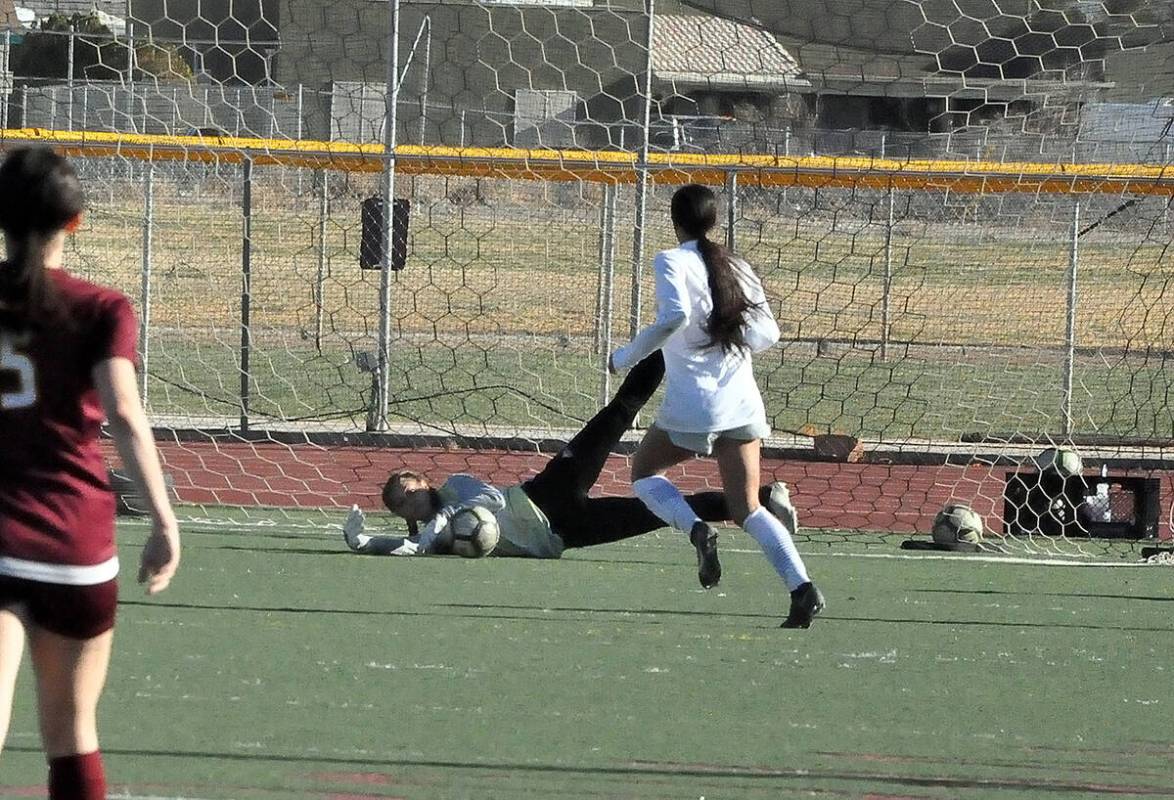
column 694, row 211
column 394, row 484
column 39, row 194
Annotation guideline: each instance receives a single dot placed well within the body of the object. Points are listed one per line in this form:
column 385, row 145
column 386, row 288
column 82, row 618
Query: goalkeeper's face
column 411, row 498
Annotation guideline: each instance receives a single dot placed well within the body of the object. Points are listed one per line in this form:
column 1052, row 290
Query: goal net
column 960, row 210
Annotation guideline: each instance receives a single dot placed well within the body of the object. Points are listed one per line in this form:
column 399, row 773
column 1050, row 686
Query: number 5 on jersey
column 21, row 392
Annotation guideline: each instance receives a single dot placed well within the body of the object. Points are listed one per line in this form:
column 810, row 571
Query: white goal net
column 960, row 209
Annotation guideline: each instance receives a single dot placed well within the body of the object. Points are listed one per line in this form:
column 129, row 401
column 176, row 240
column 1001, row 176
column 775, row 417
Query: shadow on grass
column 540, row 613
column 330, row 549
column 323, row 535
column 550, row 614
column 675, row 612
column 636, row 769
column 1077, row 595
column 280, row 551
column 1001, row 624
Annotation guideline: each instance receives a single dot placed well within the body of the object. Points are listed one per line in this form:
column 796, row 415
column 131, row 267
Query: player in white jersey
column 552, row 511
column 712, row 314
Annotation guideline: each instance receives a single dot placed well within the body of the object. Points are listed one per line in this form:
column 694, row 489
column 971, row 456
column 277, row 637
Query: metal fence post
column 145, row 297
column 69, row 65
column 607, row 248
column 6, row 67
column 732, row 211
column 320, row 282
column 377, row 416
column 887, row 295
column 246, row 289
column 597, row 328
column 427, row 80
column 6, row 64
column 638, row 232
column 1070, row 333
column 300, row 108
column 130, row 77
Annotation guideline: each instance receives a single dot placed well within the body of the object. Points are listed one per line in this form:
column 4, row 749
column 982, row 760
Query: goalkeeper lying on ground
column 552, row 511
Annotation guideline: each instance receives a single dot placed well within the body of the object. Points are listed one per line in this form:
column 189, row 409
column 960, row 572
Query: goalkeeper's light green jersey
column 525, row 530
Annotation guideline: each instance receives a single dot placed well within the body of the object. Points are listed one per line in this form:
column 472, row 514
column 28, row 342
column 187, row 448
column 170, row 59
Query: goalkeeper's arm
column 431, row 532
column 359, row 541
column 469, row 491
column 472, row 491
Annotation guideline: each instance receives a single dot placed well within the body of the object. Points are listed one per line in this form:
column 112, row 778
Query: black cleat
column 704, row 539
column 806, row 602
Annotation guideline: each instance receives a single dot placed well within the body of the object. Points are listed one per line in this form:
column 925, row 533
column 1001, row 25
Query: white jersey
column 706, row 390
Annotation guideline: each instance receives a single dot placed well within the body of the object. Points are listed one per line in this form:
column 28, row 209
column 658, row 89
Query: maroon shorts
column 77, row 612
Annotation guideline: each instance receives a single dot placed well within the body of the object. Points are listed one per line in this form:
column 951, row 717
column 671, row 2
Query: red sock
column 78, row 777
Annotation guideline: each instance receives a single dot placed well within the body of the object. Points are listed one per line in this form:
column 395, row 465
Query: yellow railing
column 601, row 166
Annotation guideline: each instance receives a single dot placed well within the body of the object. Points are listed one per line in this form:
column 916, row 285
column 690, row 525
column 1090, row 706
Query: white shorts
column 702, row 443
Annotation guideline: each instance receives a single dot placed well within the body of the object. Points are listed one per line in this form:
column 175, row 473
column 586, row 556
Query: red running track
column 861, row 496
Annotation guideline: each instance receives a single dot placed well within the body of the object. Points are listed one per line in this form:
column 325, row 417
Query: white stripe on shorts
column 62, row 574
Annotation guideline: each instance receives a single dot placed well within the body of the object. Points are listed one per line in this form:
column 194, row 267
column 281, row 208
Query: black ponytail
column 39, row 195
column 694, row 211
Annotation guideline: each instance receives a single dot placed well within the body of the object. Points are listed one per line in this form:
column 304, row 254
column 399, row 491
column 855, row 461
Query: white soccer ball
column 471, row 533
column 1066, row 463
column 957, row 523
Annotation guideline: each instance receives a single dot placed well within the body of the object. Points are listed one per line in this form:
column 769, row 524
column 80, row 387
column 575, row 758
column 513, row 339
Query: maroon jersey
column 56, row 508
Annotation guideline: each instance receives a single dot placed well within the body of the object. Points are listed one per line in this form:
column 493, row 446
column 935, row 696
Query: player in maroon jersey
column 67, row 361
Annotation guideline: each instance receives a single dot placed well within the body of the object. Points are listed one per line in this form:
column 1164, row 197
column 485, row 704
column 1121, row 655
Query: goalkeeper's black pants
column 560, row 490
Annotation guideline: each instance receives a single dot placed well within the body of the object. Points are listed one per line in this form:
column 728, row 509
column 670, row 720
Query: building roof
column 709, row 51
column 960, row 48
column 867, row 25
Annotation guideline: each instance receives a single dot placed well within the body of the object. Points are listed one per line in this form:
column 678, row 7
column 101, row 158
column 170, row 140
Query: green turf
column 280, row 666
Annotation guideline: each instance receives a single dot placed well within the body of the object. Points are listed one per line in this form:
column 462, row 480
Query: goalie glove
column 434, row 538
column 431, row 540
column 352, row 530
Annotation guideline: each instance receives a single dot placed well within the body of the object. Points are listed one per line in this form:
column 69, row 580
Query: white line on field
column 125, row 796
column 1039, row 562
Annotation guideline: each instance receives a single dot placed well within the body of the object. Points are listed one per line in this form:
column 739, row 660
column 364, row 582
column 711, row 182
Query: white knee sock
column 665, row 500
column 776, row 542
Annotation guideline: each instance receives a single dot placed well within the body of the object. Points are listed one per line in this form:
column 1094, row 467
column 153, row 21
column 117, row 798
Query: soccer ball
column 957, row 523
column 1066, row 463
column 471, row 533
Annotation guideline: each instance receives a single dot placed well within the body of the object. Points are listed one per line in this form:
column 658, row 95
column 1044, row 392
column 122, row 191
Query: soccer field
column 281, row 666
